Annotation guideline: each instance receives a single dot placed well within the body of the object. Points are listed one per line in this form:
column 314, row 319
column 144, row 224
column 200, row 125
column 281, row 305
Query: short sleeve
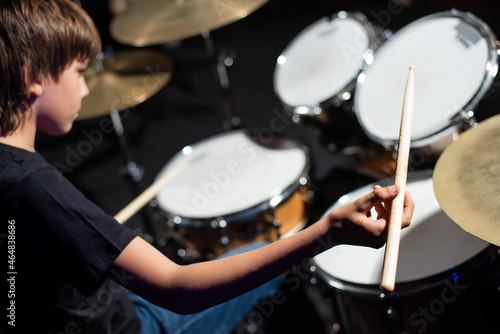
column 81, row 238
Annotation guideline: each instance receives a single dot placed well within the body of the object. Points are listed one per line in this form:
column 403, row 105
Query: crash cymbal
column 124, row 80
column 467, row 180
column 150, row 22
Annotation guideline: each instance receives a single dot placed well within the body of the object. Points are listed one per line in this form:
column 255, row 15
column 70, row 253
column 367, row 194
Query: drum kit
column 357, row 71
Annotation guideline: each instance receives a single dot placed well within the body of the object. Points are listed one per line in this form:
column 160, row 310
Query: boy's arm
column 192, row 288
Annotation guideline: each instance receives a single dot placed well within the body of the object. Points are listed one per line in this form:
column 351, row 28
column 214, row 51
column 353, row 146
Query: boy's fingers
column 408, row 208
column 378, row 195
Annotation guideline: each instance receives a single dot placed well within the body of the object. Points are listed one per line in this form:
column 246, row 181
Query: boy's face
column 57, row 107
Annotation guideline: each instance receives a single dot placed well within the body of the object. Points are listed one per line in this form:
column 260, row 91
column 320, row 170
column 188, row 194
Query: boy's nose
column 85, row 89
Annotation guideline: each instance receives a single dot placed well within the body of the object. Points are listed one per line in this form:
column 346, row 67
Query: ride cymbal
column 150, row 22
column 467, row 180
column 124, row 81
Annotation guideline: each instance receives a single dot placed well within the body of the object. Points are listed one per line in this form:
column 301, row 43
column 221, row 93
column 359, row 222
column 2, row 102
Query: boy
column 69, row 255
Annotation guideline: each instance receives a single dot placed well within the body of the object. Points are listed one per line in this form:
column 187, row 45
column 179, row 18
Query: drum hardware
column 220, row 225
column 131, row 169
column 170, row 239
column 468, row 118
column 277, row 224
column 220, row 61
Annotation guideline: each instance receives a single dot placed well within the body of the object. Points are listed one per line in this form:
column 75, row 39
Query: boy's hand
column 353, row 223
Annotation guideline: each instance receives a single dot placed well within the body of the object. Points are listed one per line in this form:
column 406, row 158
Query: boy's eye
column 82, row 71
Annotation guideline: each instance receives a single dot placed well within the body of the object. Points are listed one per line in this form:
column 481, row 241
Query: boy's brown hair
column 38, row 38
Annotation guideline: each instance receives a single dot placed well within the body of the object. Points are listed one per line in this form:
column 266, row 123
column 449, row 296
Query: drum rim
column 490, row 73
column 374, row 37
column 252, row 211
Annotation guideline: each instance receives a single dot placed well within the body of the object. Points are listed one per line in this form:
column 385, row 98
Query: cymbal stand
column 220, row 62
column 131, row 169
column 135, row 173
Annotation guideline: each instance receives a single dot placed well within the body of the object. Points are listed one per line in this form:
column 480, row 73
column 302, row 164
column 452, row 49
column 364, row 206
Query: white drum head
column 230, row 173
column 431, row 245
column 321, row 61
column 455, row 62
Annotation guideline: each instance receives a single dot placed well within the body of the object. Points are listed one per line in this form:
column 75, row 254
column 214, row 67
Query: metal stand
column 220, row 62
column 131, row 169
column 135, row 173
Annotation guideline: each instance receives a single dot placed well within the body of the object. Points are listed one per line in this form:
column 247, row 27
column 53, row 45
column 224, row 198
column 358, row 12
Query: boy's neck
column 23, row 137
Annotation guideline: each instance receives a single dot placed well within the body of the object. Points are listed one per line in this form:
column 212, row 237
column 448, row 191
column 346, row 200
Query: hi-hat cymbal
column 150, row 22
column 124, row 81
column 467, row 180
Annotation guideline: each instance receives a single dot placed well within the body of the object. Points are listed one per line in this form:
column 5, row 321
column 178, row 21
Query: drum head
column 321, row 61
column 431, row 245
column 455, row 60
column 232, row 173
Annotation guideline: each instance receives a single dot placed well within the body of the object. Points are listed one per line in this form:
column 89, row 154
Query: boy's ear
column 34, row 87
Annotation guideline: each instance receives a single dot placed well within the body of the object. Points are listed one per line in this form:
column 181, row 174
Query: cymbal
column 150, row 22
column 467, row 180
column 124, row 80
column 117, row 7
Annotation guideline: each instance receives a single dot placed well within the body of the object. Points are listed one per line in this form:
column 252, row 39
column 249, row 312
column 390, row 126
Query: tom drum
column 237, row 188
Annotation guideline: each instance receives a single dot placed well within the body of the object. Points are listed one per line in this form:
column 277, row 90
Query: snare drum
column 440, row 267
column 237, row 188
column 455, row 59
column 321, row 64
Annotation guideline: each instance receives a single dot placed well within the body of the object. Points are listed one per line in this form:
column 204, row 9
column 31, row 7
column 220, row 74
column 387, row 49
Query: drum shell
column 436, row 305
column 206, row 242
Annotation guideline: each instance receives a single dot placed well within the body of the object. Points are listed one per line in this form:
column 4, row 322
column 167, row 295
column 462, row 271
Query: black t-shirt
column 61, row 247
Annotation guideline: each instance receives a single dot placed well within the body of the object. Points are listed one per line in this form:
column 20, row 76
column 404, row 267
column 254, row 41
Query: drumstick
column 148, row 194
column 396, row 214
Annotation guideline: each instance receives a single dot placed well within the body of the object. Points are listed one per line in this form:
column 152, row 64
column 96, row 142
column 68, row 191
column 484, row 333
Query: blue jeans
column 219, row 319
